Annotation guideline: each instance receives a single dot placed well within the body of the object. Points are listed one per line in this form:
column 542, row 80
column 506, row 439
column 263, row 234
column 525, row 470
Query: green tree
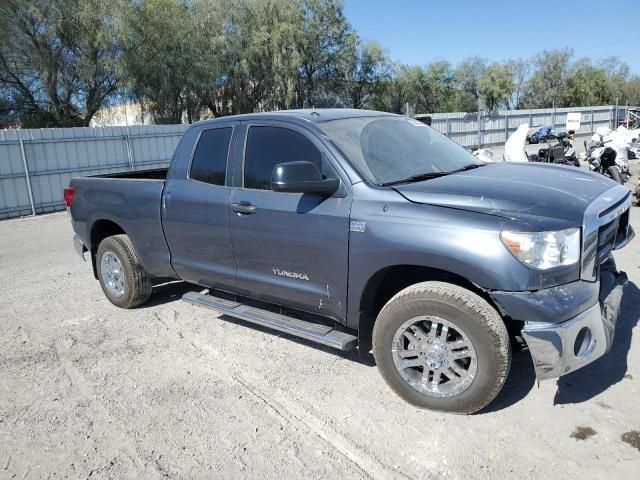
column 588, row 85
column 58, row 59
column 326, row 42
column 158, row 56
column 261, row 54
column 468, row 74
column 365, row 71
column 520, row 70
column 548, row 84
column 631, row 91
column 617, row 73
column 424, row 90
column 496, row 86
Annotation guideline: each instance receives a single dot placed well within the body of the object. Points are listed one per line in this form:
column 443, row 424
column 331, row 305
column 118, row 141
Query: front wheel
column 121, row 276
column 442, row 347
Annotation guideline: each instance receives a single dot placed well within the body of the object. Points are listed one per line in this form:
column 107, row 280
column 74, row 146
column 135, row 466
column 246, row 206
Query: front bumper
column 563, row 347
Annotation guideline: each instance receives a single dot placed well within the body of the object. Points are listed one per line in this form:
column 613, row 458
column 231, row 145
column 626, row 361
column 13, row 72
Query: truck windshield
column 388, row 150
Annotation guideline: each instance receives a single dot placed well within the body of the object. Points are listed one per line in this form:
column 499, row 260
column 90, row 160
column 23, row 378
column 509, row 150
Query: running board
column 324, row 334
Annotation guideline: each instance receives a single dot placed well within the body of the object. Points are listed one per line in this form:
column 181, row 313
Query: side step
column 316, row 332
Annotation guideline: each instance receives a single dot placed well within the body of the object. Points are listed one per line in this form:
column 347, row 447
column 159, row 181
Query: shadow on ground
column 519, row 383
column 169, row 292
column 174, row 290
column 597, row 377
column 575, row 387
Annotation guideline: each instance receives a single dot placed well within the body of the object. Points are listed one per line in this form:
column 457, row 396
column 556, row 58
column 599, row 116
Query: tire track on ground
column 290, row 412
column 103, row 423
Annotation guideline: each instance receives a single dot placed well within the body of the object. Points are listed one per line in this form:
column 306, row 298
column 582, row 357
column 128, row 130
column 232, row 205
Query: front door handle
column 244, row 208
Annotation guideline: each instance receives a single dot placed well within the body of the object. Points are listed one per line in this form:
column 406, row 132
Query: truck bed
column 152, row 174
column 132, row 202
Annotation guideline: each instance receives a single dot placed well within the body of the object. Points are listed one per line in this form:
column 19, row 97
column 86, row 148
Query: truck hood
column 514, row 190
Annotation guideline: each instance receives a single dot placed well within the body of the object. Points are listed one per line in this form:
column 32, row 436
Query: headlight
column 544, row 250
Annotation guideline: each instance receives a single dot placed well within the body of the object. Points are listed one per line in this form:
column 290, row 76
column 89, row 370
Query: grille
column 605, row 226
column 606, row 239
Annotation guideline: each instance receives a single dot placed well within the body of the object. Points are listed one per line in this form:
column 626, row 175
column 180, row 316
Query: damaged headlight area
column 544, row 250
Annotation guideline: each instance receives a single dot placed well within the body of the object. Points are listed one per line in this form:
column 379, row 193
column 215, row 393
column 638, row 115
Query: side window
column 269, row 146
column 209, row 162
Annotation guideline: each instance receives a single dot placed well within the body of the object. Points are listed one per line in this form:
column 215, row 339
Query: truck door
column 196, row 212
column 290, row 248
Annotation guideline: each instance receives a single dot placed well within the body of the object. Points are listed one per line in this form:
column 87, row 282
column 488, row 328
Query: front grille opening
column 606, row 239
column 623, row 224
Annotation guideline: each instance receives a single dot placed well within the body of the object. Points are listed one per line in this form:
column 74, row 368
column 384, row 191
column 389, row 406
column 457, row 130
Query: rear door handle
column 243, row 207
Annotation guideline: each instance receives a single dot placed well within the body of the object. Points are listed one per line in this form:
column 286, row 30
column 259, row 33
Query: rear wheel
column 442, row 347
column 614, row 173
column 121, row 276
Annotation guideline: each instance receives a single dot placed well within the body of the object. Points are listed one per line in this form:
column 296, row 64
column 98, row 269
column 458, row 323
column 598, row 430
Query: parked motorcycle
column 608, row 160
column 560, row 150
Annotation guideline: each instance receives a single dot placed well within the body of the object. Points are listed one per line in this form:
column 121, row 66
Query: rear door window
column 209, row 162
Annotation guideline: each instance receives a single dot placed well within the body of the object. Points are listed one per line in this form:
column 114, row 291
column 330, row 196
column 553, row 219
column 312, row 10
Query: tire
column 471, row 320
column 614, row 173
column 135, row 282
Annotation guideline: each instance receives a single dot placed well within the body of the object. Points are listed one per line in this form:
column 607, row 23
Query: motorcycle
column 560, row 150
column 609, row 159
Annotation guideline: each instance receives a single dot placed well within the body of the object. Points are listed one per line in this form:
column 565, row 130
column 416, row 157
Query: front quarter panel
column 398, row 232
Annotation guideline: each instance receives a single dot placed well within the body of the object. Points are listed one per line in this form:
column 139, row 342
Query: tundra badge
column 296, row 275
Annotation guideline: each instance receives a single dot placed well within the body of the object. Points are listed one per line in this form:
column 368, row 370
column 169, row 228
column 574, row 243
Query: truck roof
column 315, row 115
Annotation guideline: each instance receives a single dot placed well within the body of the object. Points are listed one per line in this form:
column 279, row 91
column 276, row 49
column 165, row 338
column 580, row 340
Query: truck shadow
column 172, row 291
column 521, row 379
column 575, row 387
column 610, row 369
column 169, row 291
column 365, row 359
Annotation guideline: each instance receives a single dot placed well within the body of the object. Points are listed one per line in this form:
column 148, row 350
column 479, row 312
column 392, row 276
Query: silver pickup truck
column 360, row 229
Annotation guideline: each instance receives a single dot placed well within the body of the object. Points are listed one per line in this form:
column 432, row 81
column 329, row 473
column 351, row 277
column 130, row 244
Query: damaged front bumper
column 561, row 347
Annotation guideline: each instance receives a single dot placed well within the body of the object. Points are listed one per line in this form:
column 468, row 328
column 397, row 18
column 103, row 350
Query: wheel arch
column 101, row 229
column 388, row 281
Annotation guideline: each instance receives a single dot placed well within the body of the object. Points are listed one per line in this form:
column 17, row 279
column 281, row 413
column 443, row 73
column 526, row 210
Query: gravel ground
column 170, row 390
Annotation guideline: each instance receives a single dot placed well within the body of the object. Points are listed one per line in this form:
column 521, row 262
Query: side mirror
column 301, row 177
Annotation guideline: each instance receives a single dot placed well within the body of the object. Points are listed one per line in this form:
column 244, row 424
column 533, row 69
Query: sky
column 418, row 32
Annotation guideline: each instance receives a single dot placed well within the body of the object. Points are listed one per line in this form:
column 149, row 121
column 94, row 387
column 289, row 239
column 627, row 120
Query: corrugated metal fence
column 495, row 128
column 35, row 165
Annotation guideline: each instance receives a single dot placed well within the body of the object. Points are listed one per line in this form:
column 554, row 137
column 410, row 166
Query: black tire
column 137, row 283
column 469, row 313
column 614, row 173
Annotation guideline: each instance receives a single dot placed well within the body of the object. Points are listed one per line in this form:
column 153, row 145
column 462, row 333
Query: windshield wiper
column 427, row 176
column 471, row 166
column 416, row 178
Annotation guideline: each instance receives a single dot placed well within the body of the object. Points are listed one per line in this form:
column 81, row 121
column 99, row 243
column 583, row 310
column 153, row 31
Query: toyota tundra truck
column 362, row 229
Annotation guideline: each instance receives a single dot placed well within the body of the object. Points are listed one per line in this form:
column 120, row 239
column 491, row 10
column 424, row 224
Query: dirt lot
column 170, row 390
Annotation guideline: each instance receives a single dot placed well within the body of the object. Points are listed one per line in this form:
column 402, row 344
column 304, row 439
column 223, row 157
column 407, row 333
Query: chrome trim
column 79, row 247
column 552, row 346
column 623, row 243
column 319, row 333
column 434, row 356
column 593, row 221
